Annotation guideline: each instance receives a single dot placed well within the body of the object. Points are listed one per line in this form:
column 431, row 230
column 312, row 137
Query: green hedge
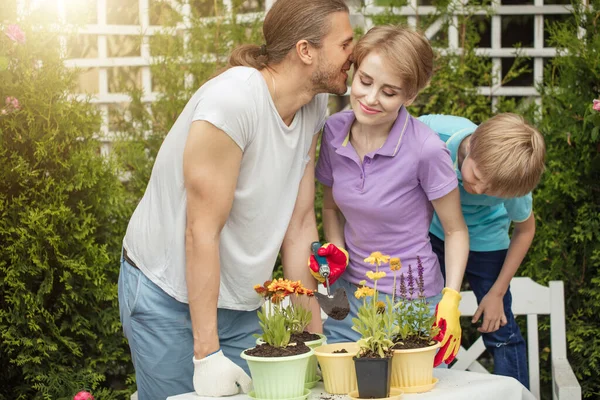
column 567, row 205
column 62, row 217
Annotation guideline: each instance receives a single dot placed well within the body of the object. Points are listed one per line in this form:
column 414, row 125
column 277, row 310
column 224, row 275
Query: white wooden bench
column 531, row 299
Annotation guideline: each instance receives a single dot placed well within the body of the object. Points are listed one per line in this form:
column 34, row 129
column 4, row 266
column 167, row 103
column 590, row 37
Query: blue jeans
column 341, row 331
column 159, row 331
column 506, row 345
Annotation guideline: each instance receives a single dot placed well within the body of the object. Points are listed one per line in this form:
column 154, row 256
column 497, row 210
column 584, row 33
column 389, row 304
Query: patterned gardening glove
column 447, row 318
column 336, row 257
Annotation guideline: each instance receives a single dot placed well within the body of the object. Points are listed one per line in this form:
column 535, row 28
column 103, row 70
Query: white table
column 452, row 385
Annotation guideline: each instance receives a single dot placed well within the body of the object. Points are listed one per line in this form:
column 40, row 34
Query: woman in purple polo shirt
column 384, row 173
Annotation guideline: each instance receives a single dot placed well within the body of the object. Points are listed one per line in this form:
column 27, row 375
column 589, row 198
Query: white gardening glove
column 216, row 376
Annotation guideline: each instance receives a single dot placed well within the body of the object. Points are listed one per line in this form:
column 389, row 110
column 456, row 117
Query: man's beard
column 327, row 80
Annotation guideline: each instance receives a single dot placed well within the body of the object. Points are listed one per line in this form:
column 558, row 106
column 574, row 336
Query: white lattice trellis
column 103, row 31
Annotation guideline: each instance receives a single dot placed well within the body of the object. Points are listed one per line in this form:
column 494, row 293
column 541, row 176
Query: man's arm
column 301, row 232
column 492, row 306
column 211, row 163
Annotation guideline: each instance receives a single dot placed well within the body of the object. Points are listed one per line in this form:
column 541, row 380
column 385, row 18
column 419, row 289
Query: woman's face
column 377, row 93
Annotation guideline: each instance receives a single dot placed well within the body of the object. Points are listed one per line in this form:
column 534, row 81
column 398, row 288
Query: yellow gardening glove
column 447, row 318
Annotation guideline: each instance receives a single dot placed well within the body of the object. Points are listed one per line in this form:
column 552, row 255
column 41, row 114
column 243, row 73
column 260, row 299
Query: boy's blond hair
column 407, row 51
column 509, row 153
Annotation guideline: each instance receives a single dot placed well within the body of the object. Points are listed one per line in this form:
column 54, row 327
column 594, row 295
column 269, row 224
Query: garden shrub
column 62, row 218
column 567, row 244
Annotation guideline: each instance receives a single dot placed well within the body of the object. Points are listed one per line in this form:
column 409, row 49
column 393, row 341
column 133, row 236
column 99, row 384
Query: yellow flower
column 364, row 292
column 377, row 258
column 395, row 264
column 375, row 276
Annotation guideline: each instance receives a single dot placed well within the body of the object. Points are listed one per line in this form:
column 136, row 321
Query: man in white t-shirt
column 232, row 185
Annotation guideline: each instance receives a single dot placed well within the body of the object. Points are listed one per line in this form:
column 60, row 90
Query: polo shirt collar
column 453, row 144
column 392, row 143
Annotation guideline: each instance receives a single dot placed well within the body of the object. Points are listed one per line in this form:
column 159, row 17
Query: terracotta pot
column 413, row 368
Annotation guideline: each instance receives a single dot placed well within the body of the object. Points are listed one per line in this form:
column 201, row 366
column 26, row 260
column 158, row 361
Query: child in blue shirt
column 498, row 164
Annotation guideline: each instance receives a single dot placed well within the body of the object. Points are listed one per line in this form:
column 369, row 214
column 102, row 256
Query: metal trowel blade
column 336, row 306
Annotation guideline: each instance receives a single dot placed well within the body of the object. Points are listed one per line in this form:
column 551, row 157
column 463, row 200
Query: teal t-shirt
column 488, row 218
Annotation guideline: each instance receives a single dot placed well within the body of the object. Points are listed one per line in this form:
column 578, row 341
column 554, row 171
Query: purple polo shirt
column 386, row 200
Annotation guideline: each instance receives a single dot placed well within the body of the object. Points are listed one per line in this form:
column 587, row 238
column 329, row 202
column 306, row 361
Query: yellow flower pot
column 413, row 368
column 339, row 374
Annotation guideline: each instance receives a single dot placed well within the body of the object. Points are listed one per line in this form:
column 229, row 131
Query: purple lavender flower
column 421, row 278
column 402, row 286
column 411, row 282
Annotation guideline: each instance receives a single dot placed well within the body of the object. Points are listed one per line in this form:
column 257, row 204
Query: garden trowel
column 336, row 306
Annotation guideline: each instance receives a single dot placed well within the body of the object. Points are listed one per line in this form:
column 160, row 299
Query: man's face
column 334, row 62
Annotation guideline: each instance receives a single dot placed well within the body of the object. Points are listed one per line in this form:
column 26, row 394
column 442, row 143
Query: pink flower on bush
column 596, row 104
column 15, row 33
column 83, row 395
column 12, row 104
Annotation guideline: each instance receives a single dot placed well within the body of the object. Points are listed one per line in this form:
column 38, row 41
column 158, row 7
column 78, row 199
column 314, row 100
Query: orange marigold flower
column 260, row 289
column 282, row 285
column 277, row 297
column 302, row 290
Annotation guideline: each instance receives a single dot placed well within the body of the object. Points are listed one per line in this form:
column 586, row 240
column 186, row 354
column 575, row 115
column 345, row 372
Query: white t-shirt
column 273, row 162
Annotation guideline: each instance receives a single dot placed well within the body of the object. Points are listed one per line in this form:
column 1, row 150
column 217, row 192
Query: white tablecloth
column 452, row 385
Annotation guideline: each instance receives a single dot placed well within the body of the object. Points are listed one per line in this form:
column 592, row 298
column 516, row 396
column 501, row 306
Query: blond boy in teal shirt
column 498, row 164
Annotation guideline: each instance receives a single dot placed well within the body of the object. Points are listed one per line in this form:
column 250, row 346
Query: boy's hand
column 492, row 308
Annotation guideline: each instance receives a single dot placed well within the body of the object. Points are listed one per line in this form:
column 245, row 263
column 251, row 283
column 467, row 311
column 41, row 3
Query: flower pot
column 311, row 370
column 339, row 374
column 278, row 377
column 373, row 377
column 413, row 368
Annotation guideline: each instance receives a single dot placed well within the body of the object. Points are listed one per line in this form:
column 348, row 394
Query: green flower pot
column 278, row 378
column 311, row 370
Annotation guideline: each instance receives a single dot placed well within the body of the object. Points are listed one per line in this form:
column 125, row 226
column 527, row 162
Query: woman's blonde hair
column 407, row 51
column 286, row 23
column 509, row 153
